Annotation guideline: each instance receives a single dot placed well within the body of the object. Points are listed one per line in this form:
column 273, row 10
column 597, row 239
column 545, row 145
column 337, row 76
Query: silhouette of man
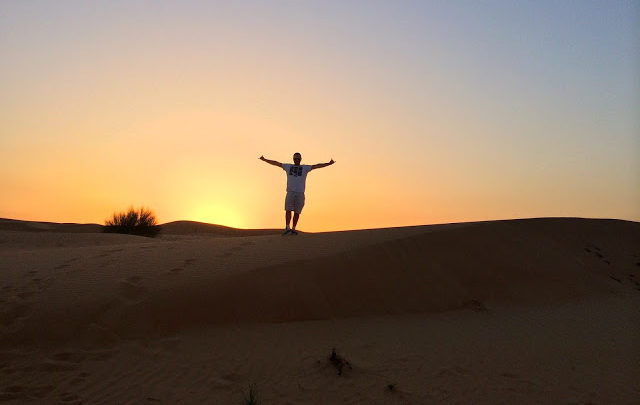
column 296, row 179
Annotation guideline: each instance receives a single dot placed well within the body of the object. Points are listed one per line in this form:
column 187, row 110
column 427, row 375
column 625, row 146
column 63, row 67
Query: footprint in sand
column 70, row 398
column 170, row 344
column 25, row 294
column 456, row 371
column 13, row 313
column 74, row 357
column 66, row 264
column 35, row 285
column 13, row 392
column 596, row 251
column 476, row 306
column 40, row 391
column 109, row 252
column 224, row 381
column 53, row 366
column 520, row 384
column 97, row 335
column 79, row 379
column 101, row 356
column 509, row 375
column 131, row 289
column 186, row 263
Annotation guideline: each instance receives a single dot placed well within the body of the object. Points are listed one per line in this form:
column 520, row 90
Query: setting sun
column 221, row 214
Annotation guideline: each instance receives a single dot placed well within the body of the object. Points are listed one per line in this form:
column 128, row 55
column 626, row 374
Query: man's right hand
column 271, row 162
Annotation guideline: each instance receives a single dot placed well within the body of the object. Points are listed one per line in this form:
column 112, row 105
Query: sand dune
column 33, row 226
column 25, row 235
column 84, row 294
column 196, row 228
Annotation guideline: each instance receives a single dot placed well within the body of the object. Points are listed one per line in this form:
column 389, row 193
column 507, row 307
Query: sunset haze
column 434, row 112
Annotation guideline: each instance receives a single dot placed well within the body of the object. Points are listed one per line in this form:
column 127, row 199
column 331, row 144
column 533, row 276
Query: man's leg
column 287, row 217
column 299, row 204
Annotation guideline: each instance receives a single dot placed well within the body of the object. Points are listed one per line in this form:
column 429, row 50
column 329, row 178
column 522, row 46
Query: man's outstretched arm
column 271, row 162
column 320, row 165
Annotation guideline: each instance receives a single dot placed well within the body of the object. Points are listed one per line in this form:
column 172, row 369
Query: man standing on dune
column 296, row 179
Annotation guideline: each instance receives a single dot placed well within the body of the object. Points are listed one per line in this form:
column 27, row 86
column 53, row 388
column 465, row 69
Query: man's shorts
column 294, row 202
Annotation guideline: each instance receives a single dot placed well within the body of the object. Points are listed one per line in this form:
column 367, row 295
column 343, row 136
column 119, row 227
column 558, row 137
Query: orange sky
column 107, row 106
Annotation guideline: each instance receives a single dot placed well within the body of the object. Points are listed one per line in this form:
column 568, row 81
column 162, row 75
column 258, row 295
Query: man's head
column 297, row 157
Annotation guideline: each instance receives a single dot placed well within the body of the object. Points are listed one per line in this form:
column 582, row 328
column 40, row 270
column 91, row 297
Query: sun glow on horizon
column 218, row 214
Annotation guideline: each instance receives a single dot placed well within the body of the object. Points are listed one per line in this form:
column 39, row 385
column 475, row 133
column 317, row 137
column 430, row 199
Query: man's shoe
column 294, row 232
column 286, row 232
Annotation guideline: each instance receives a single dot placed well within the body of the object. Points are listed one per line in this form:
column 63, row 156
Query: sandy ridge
column 105, row 293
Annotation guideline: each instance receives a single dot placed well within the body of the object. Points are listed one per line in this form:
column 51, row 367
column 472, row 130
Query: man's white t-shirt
column 296, row 176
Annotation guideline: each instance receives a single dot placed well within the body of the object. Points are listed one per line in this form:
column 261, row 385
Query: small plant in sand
column 136, row 222
column 250, row 399
column 339, row 362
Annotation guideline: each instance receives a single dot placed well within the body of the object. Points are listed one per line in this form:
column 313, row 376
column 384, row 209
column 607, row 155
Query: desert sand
column 532, row 311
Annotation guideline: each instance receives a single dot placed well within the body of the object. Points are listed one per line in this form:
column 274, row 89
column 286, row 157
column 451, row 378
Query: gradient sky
column 435, row 111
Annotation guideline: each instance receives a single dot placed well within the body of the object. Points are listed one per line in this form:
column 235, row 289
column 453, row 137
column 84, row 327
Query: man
column 296, row 178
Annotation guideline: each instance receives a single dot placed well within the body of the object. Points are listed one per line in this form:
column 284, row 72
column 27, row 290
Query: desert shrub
column 136, row 222
column 251, row 398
